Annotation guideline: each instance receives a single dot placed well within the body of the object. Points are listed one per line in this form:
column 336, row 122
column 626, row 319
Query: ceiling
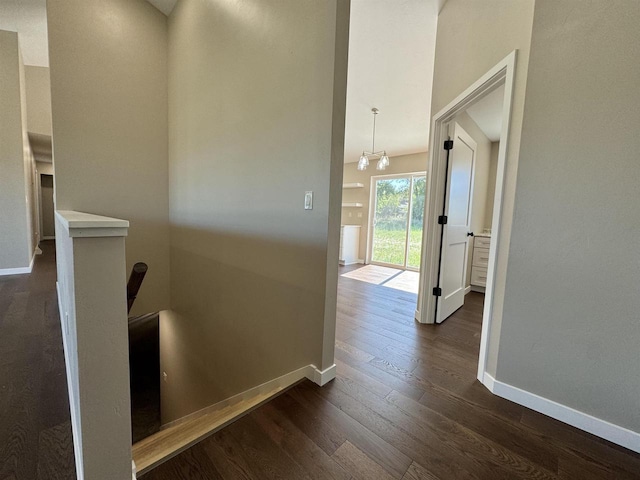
column 487, row 114
column 391, row 58
column 29, row 19
column 165, row 6
column 41, row 147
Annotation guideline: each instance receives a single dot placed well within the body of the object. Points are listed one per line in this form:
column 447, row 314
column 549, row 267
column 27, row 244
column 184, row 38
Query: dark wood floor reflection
column 405, row 404
column 35, row 429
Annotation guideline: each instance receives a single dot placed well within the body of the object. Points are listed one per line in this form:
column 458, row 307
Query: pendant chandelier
column 383, row 161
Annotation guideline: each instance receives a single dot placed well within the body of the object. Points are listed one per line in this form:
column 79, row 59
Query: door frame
column 501, row 74
column 372, row 211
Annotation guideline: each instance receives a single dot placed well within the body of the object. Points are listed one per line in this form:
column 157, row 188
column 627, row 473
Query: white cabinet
column 480, row 262
column 349, row 244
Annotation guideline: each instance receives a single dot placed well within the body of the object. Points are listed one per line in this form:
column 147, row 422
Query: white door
column 455, row 240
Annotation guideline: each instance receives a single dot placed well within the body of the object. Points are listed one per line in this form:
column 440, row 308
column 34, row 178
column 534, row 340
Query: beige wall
column 254, row 123
column 109, row 104
column 472, row 38
column 416, row 162
column 491, row 186
column 38, row 99
column 17, row 233
column 44, row 167
column 570, row 331
column 479, row 214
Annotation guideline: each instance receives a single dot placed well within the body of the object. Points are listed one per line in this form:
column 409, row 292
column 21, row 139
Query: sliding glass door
column 396, row 220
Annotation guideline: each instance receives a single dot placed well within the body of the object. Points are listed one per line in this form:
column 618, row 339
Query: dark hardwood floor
column 405, row 405
column 35, row 428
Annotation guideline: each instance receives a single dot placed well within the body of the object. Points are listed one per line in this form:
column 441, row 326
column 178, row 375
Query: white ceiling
column 29, row 19
column 391, row 58
column 165, row 6
column 487, row 114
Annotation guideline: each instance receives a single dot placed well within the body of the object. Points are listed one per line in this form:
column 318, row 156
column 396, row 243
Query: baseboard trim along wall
column 280, row 383
column 322, row 377
column 19, row 270
column 601, row 428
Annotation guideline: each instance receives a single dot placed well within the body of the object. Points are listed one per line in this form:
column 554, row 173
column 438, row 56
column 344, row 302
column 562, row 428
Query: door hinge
column 437, row 291
column 448, row 144
column 442, row 220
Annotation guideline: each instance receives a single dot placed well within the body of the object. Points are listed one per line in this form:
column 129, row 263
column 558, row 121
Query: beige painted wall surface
column 253, row 116
column 491, row 186
column 479, row 213
column 44, row 167
column 16, row 189
column 109, row 105
column 416, row 162
column 38, row 99
column 472, row 38
column 570, row 331
column 28, row 164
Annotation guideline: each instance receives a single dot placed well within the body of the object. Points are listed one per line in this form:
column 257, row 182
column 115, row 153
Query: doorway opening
column 448, row 252
column 47, row 208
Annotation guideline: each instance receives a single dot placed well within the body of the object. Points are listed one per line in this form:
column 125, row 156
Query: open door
column 456, row 221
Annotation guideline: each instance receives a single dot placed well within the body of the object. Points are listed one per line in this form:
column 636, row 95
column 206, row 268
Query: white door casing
column 455, row 240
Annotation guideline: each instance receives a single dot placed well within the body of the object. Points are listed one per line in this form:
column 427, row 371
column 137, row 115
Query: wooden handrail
column 138, row 272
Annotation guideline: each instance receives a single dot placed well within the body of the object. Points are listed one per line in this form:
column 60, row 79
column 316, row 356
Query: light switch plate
column 308, row 200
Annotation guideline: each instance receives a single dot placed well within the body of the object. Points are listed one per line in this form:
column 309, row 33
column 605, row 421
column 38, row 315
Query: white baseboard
column 15, row 271
column 48, row 237
column 77, row 445
column 467, row 290
column 601, row 428
column 352, row 262
column 321, row 377
column 19, row 270
column 477, row 288
column 285, row 381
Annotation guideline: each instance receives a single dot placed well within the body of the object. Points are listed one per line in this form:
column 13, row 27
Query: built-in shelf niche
column 353, row 185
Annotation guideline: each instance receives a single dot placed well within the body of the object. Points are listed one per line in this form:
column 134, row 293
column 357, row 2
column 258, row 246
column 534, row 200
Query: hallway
column 35, row 428
column 405, row 405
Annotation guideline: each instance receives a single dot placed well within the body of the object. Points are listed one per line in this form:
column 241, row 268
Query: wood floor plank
column 386, row 454
column 289, row 438
column 359, row 465
column 418, row 472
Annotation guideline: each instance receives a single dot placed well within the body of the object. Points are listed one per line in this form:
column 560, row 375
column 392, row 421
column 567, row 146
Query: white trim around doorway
column 501, row 74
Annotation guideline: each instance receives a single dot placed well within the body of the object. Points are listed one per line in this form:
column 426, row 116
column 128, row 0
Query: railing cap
column 80, row 224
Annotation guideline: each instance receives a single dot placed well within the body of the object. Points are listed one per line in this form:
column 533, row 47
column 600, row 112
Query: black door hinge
column 448, row 144
column 437, row 291
column 442, row 220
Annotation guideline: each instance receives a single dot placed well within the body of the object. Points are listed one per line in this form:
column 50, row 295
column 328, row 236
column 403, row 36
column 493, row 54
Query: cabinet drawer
column 480, row 257
column 482, row 242
column 479, row 276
